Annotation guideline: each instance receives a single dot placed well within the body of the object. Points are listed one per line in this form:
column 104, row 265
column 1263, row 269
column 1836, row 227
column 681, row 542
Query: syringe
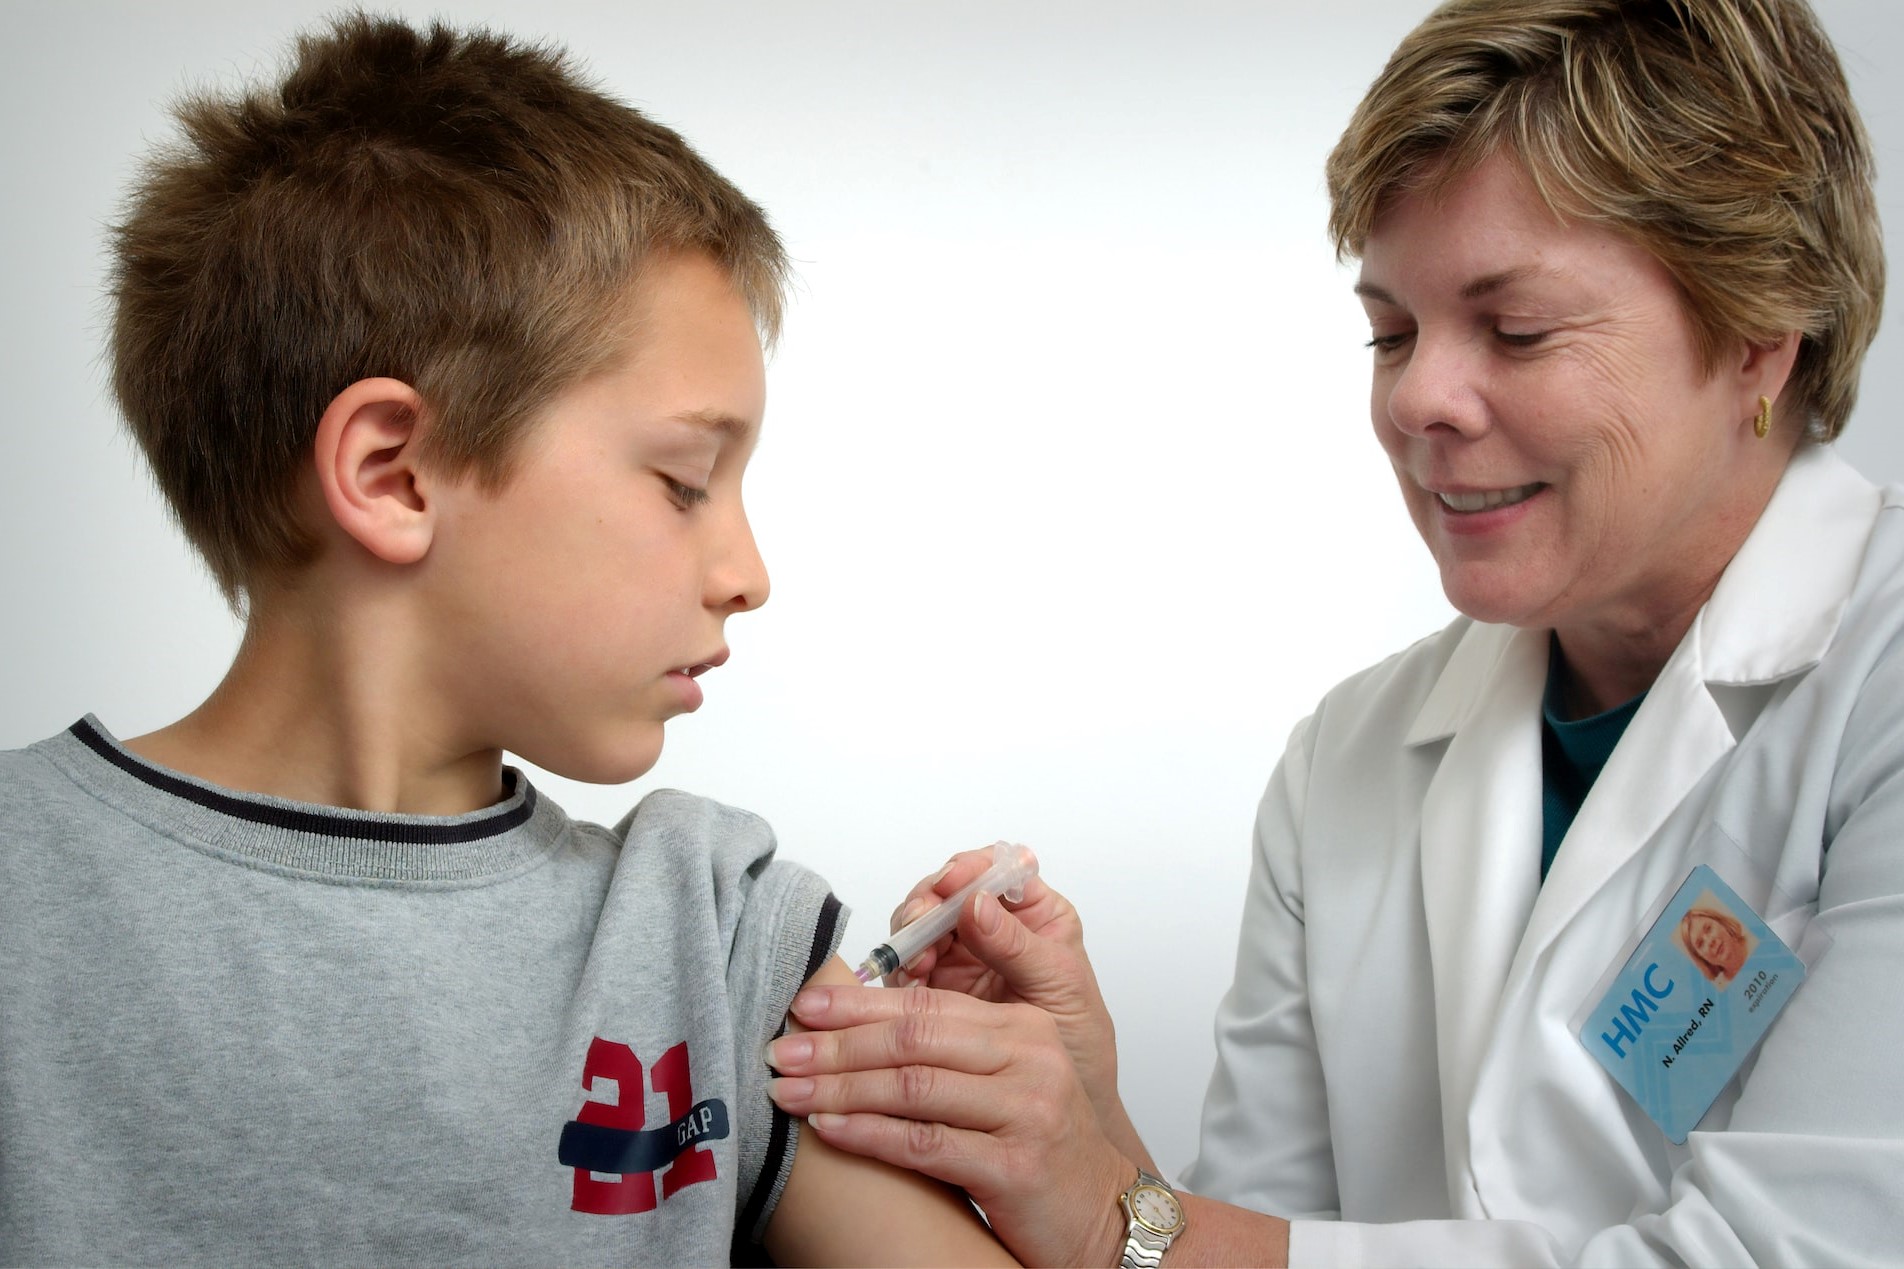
column 1012, row 866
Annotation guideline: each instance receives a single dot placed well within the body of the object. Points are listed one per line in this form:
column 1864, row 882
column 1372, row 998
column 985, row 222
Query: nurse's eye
column 685, row 495
column 1520, row 339
column 1390, row 343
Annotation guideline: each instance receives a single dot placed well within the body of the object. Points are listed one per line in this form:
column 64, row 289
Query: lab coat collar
column 1456, row 694
column 1777, row 608
column 1772, row 615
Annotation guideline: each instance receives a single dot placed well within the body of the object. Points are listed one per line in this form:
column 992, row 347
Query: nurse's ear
column 1763, row 370
column 369, row 472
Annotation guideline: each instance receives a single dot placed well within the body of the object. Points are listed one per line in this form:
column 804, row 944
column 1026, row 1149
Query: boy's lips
column 699, row 668
column 684, row 676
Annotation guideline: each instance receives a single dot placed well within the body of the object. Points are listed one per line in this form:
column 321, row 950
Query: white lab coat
column 1397, row 1058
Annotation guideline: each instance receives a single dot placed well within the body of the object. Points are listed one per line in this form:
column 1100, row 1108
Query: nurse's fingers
column 1013, row 1078
column 857, row 1030
column 959, row 871
column 919, row 968
column 830, row 1007
column 955, row 1098
column 950, row 962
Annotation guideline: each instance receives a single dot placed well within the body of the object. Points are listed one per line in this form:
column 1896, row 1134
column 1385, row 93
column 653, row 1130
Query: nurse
column 1621, row 263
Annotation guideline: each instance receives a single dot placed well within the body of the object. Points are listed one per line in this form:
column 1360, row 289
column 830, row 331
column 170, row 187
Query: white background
column 1067, row 487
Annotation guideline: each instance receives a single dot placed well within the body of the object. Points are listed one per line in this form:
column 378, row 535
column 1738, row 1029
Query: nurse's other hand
column 978, row 1094
column 946, row 964
column 1036, row 957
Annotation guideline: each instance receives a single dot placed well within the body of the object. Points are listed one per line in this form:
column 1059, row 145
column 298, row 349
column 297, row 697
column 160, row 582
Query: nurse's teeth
column 1488, row 500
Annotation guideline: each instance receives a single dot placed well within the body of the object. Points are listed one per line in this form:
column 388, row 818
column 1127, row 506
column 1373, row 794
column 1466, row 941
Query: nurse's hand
column 979, row 1094
column 1035, row 958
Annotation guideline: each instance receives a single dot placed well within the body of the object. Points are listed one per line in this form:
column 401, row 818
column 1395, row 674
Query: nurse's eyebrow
column 1496, row 281
column 1472, row 291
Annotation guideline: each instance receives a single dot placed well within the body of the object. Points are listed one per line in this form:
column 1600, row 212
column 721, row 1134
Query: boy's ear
column 366, row 454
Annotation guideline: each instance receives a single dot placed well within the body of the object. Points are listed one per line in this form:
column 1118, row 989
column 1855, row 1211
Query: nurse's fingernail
column 986, row 912
column 810, row 1004
column 789, row 1051
column 789, row 1090
column 825, row 1121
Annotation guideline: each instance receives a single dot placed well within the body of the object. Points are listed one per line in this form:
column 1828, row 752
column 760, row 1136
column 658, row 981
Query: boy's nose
column 738, row 582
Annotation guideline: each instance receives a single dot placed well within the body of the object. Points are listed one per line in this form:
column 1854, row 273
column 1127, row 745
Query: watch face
column 1156, row 1208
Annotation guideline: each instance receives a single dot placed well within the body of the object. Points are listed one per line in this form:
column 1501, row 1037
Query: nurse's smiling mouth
column 1468, row 502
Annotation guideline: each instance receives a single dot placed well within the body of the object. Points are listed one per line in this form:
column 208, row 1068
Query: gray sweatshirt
column 239, row 1029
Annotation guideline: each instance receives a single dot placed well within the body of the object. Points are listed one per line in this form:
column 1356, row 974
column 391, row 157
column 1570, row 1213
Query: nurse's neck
column 1600, row 671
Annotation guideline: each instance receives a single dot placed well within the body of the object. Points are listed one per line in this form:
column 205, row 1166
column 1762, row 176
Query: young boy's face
column 574, row 608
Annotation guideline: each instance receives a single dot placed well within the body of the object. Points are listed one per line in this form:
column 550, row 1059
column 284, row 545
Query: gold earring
column 1763, row 423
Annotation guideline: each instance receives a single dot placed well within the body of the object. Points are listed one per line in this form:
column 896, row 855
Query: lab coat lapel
column 1674, row 739
column 1773, row 615
column 1480, row 843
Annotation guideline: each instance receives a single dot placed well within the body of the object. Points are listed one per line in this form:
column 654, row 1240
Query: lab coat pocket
column 1678, row 1041
column 1753, row 872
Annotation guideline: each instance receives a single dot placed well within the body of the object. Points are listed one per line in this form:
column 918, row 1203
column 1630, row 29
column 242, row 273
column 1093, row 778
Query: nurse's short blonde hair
column 1717, row 134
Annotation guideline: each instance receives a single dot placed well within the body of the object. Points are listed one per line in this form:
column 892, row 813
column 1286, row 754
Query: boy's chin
column 603, row 760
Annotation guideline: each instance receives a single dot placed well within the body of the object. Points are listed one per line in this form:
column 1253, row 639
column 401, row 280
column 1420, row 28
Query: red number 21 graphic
column 635, row 1191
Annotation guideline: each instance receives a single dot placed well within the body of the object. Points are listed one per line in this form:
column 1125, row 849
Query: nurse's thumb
column 1039, row 971
column 1054, row 976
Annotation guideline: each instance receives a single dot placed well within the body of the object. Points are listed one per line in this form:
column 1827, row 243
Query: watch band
column 1144, row 1247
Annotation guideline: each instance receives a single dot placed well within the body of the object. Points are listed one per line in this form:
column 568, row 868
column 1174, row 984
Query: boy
column 449, row 367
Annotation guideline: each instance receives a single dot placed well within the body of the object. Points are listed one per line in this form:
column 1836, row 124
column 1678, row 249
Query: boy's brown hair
column 454, row 210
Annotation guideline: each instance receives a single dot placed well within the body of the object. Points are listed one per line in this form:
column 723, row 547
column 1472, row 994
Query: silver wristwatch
column 1156, row 1218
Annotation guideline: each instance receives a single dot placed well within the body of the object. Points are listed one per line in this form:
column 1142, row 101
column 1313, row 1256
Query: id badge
column 1691, row 1002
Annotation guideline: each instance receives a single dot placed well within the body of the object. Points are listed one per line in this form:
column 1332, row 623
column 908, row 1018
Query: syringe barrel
column 1012, row 866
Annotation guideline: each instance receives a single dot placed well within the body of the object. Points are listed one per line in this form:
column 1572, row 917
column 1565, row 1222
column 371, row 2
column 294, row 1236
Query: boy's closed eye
column 687, row 495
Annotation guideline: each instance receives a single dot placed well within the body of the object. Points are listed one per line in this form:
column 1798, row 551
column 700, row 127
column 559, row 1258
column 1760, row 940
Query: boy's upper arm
column 840, row 1209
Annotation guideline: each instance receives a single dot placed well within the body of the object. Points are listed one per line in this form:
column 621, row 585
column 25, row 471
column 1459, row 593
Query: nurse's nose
column 1433, row 388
